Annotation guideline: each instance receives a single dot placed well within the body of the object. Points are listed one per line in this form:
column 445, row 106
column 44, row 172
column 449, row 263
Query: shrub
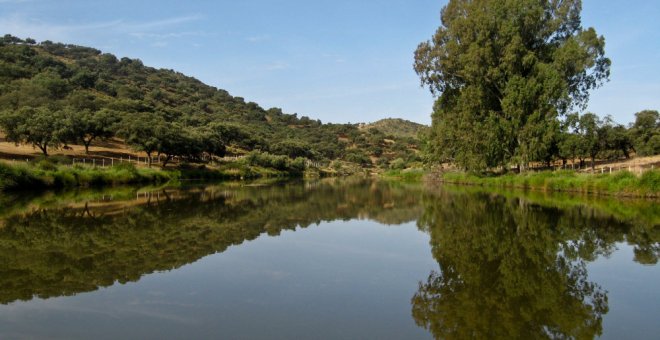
column 398, row 164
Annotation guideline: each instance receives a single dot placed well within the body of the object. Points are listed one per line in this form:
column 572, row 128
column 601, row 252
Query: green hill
column 397, row 127
column 72, row 85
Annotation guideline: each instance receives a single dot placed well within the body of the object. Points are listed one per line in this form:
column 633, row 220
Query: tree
column 41, row 127
column 85, row 126
column 590, row 132
column 293, row 149
column 141, row 132
column 177, row 140
column 615, row 140
column 645, row 133
column 505, row 71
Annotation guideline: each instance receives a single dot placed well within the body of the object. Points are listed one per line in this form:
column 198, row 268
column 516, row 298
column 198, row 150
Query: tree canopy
column 95, row 90
column 504, row 73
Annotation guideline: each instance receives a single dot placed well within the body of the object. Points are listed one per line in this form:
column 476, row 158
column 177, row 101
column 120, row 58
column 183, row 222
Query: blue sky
column 338, row 61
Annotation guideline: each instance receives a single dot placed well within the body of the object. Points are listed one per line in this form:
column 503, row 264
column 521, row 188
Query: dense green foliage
column 645, row 133
column 52, row 94
column 513, row 268
column 505, row 72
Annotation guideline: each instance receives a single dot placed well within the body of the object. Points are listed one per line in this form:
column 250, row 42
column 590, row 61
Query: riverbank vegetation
column 622, row 183
column 511, row 80
column 58, row 172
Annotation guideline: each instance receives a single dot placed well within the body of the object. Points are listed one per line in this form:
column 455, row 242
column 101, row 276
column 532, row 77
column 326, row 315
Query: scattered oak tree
column 141, row 132
column 85, row 126
column 645, row 133
column 40, row 127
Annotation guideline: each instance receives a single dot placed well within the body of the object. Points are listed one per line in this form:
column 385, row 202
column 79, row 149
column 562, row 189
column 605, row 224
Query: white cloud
column 172, row 35
column 161, row 23
column 21, row 26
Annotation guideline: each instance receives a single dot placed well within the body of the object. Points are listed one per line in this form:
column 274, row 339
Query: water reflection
column 510, row 265
column 513, row 268
column 66, row 246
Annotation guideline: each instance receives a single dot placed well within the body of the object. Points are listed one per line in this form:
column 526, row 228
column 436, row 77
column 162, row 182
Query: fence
column 103, row 161
column 600, row 167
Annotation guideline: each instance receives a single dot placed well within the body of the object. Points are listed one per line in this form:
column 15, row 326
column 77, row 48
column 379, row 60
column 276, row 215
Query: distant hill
column 396, row 127
column 70, row 77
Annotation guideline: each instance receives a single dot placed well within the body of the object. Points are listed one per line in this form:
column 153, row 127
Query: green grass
column 47, row 173
column 408, row 175
column 621, row 183
column 50, row 175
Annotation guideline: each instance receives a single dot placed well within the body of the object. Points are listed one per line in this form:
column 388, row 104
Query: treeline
column 54, row 94
column 587, row 136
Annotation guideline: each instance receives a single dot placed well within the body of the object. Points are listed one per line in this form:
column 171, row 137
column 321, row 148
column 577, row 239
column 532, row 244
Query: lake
column 327, row 259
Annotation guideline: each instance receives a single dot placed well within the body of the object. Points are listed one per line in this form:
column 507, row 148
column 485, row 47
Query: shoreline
column 620, row 184
column 18, row 177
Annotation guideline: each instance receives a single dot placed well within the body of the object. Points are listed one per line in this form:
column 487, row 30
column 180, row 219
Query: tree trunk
column 43, row 149
column 593, row 163
column 149, row 159
column 167, row 159
column 87, row 143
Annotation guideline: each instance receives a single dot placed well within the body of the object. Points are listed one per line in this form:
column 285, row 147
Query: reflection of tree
column 63, row 251
column 511, row 269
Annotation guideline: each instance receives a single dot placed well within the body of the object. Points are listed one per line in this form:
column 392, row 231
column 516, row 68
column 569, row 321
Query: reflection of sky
column 337, row 280
column 632, row 292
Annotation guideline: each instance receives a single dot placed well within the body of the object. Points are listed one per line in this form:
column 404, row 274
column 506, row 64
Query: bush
column 46, row 165
column 398, row 164
column 282, row 163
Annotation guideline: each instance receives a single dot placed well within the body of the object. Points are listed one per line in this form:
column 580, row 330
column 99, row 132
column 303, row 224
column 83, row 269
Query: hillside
column 396, row 127
column 84, row 85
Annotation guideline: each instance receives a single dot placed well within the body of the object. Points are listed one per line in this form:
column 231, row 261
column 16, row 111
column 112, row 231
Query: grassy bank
column 407, row 175
column 49, row 174
column 22, row 176
column 621, row 183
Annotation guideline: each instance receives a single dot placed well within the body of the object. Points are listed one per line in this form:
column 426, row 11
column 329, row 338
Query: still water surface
column 327, row 259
